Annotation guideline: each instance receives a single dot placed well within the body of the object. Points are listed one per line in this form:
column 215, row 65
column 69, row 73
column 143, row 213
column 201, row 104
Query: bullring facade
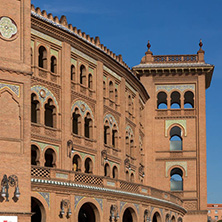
column 90, row 139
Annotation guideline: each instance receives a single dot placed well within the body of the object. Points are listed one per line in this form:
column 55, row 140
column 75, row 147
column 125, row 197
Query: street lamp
column 9, row 181
column 114, row 215
column 127, row 163
column 65, row 203
column 70, row 148
column 147, row 216
column 104, row 156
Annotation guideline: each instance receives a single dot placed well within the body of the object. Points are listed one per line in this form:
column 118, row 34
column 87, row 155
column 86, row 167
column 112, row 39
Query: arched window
column 76, row 161
column 73, row 72
column 127, row 175
column 42, row 57
column 104, row 89
column 111, row 90
column 53, row 64
column 175, row 100
column 107, row 170
column 76, row 122
column 115, row 172
column 35, row 110
column 88, row 126
column 50, row 158
column 32, row 62
column 116, row 96
column 162, row 100
column 132, row 177
column 127, row 145
column 176, row 142
column 132, row 147
column 114, row 136
column 129, row 104
column 88, row 165
column 176, row 179
column 173, row 219
column 50, row 114
column 82, row 75
column 188, row 100
column 156, row 217
column 34, row 155
column 90, row 82
column 106, row 133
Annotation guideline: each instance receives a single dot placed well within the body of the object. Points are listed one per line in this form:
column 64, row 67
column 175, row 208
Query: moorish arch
column 38, row 210
column 156, row 217
column 129, row 215
column 88, row 210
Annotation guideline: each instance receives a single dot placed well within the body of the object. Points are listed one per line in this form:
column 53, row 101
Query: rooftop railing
column 174, row 58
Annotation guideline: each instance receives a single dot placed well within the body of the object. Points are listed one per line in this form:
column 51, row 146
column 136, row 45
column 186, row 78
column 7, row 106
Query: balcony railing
column 175, row 112
column 100, row 181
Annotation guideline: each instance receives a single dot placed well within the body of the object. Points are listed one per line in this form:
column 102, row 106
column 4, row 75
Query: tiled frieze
column 180, row 88
column 83, row 108
column 43, row 94
column 181, row 122
column 46, row 196
column 12, row 87
column 183, row 164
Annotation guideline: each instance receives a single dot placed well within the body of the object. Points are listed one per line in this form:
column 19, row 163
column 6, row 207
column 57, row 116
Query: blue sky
column 173, row 27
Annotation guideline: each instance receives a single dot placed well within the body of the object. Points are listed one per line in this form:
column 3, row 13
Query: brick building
column 86, row 138
column 214, row 212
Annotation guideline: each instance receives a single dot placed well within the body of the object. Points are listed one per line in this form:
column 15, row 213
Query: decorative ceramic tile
column 42, row 146
column 176, row 163
column 180, row 88
column 181, row 122
column 91, row 71
column 73, row 61
column 83, row 108
column 54, row 52
column 131, row 88
column 111, row 119
column 83, row 55
column 46, row 37
column 12, row 87
column 61, row 176
column 122, row 205
column 43, row 94
column 46, row 196
column 83, row 155
column 100, row 201
column 137, row 207
column 77, row 199
column 112, row 73
column 129, row 131
column 8, row 27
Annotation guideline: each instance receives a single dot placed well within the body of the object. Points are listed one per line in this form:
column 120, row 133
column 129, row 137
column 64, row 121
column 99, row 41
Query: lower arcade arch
column 88, row 212
column 156, row 217
column 129, row 215
column 38, row 211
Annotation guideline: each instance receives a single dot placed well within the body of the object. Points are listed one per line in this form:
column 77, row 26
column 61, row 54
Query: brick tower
column 15, row 75
column 176, row 126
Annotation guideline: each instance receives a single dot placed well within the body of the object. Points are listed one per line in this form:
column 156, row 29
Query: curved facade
column 103, row 142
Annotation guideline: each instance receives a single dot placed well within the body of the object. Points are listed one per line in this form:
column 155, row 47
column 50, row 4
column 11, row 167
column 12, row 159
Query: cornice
column 64, row 33
column 19, row 72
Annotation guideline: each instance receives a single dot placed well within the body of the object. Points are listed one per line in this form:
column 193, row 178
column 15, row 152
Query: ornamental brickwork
column 91, row 139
